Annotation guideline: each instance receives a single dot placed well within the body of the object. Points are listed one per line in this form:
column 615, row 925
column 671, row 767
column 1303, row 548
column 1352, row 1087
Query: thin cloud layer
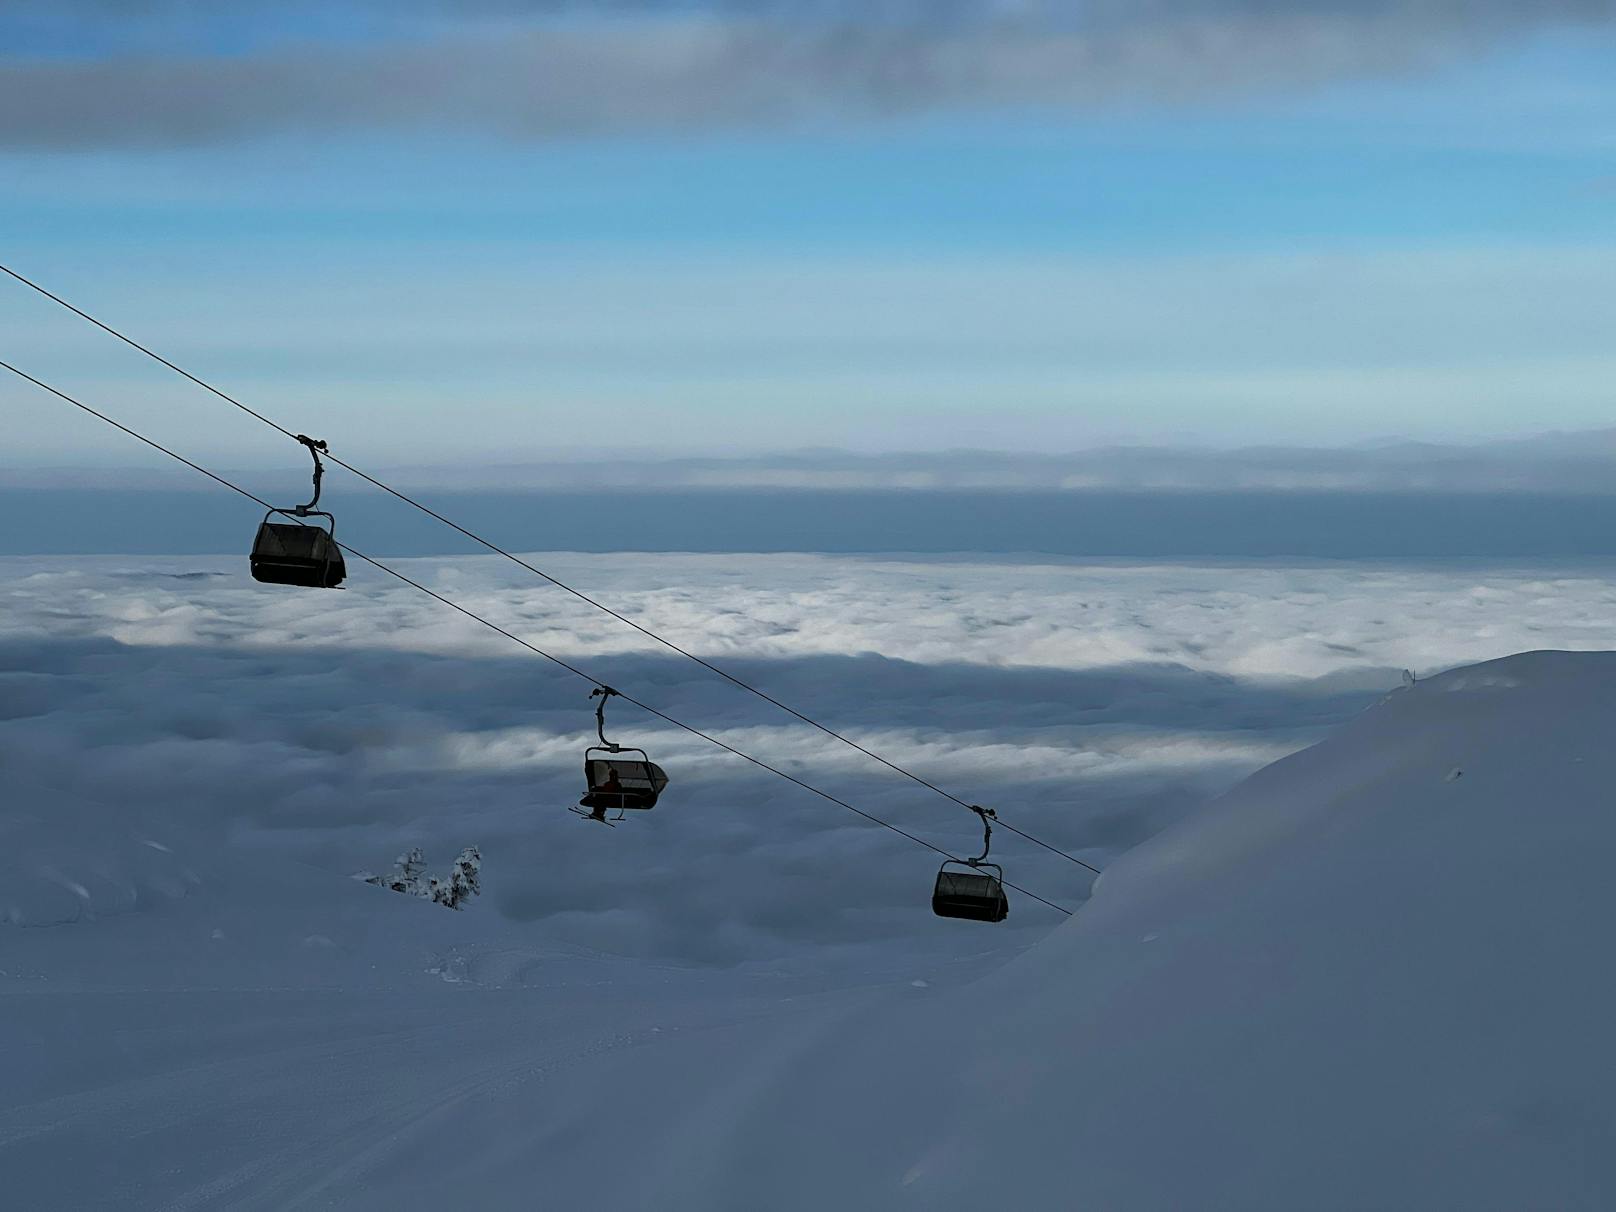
column 1576, row 462
column 533, row 71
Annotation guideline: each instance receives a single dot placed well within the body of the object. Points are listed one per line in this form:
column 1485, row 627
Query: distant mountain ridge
column 1580, row 462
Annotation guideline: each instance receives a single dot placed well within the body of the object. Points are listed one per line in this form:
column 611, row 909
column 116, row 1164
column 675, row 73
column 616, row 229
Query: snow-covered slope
column 1372, row 976
column 1375, row 975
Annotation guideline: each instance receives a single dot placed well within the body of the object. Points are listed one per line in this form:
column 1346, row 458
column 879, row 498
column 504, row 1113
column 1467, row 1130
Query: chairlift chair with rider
column 300, row 552
column 615, row 782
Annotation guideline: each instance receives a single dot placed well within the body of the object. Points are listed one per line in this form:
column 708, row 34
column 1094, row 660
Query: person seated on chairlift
column 612, row 786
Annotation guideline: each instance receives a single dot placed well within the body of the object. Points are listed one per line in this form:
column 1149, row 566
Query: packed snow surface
column 1368, row 976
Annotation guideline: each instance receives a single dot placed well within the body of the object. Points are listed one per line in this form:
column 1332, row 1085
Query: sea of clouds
column 155, row 714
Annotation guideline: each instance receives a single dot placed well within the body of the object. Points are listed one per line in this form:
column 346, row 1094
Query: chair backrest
column 289, row 541
column 285, row 553
column 973, row 895
column 632, row 774
column 967, row 884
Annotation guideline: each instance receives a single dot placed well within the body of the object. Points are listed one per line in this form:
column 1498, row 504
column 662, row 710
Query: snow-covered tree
column 411, row 867
column 464, row 882
column 408, row 876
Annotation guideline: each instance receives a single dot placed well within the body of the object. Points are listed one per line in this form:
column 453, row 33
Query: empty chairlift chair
column 617, row 778
column 966, row 889
column 300, row 552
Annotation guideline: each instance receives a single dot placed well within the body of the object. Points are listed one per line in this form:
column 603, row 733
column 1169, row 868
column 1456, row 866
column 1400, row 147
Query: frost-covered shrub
column 409, row 877
column 406, row 876
column 464, row 880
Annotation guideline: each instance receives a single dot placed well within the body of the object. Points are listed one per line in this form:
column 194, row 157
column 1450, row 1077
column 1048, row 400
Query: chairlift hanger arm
column 987, row 814
column 316, row 447
column 604, row 693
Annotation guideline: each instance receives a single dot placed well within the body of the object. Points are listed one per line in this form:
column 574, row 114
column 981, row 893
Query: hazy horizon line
column 1558, row 462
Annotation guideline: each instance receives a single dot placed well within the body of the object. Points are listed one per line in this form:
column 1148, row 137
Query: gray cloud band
column 719, row 70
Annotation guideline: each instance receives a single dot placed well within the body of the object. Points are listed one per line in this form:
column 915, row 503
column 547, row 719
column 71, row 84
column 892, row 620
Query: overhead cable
column 534, row 569
column 511, row 635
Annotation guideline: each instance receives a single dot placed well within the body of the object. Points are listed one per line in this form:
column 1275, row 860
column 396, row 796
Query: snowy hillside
column 1370, row 976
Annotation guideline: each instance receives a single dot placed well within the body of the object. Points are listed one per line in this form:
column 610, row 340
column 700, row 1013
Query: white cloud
column 679, row 67
column 1091, row 703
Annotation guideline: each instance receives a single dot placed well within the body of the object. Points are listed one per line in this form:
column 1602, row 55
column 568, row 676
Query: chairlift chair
column 300, row 552
column 964, row 887
column 615, row 782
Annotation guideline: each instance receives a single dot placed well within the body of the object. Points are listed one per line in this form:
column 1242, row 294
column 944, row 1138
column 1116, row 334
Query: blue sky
column 506, row 231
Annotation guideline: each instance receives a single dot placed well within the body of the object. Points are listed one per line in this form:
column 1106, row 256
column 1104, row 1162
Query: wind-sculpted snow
column 182, row 706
